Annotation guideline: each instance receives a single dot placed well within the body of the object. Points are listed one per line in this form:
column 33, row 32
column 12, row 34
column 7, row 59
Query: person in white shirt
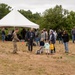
column 47, row 47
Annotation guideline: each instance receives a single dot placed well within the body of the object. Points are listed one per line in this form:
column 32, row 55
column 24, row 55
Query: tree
column 54, row 18
column 27, row 14
column 4, row 10
column 71, row 20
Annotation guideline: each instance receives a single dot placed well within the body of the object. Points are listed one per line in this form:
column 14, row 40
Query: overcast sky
column 39, row 5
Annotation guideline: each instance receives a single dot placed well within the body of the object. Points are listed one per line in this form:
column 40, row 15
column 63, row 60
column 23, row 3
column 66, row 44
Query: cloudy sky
column 39, row 5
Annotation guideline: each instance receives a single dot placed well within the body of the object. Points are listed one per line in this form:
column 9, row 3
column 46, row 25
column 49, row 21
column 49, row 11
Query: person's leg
column 51, row 51
column 73, row 38
column 3, row 38
column 48, row 51
column 59, row 40
column 66, row 46
column 29, row 45
column 15, row 47
column 54, row 49
column 42, row 49
column 36, row 40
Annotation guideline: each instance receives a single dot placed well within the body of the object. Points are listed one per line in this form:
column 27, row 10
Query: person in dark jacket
column 52, row 40
column 65, row 38
column 73, row 34
column 60, row 36
column 30, row 38
column 23, row 33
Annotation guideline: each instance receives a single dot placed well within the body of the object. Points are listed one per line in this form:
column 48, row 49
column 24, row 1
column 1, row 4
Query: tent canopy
column 15, row 19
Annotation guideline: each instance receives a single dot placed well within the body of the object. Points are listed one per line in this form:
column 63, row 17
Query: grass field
column 28, row 63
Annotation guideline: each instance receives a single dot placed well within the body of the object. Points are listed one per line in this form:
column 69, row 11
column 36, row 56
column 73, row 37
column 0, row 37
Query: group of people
column 48, row 44
column 46, row 40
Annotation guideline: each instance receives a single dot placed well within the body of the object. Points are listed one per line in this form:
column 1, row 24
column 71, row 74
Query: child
column 47, row 47
column 51, row 47
column 42, row 42
column 40, row 51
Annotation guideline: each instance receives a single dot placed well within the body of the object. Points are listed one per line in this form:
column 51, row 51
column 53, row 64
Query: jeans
column 3, row 38
column 66, row 46
column 73, row 38
column 37, row 40
column 60, row 40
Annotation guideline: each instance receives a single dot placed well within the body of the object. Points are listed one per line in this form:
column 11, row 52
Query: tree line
column 52, row 18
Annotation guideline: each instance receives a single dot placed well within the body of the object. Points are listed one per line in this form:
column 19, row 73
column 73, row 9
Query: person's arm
column 28, row 37
column 17, row 39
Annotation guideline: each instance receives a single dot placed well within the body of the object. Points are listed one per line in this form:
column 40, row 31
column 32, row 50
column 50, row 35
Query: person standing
column 15, row 40
column 23, row 33
column 73, row 34
column 30, row 38
column 44, row 34
column 60, row 32
column 55, row 34
column 52, row 39
column 65, row 38
column 3, row 34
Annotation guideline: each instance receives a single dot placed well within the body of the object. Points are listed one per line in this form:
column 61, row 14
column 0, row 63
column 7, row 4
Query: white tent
column 15, row 19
